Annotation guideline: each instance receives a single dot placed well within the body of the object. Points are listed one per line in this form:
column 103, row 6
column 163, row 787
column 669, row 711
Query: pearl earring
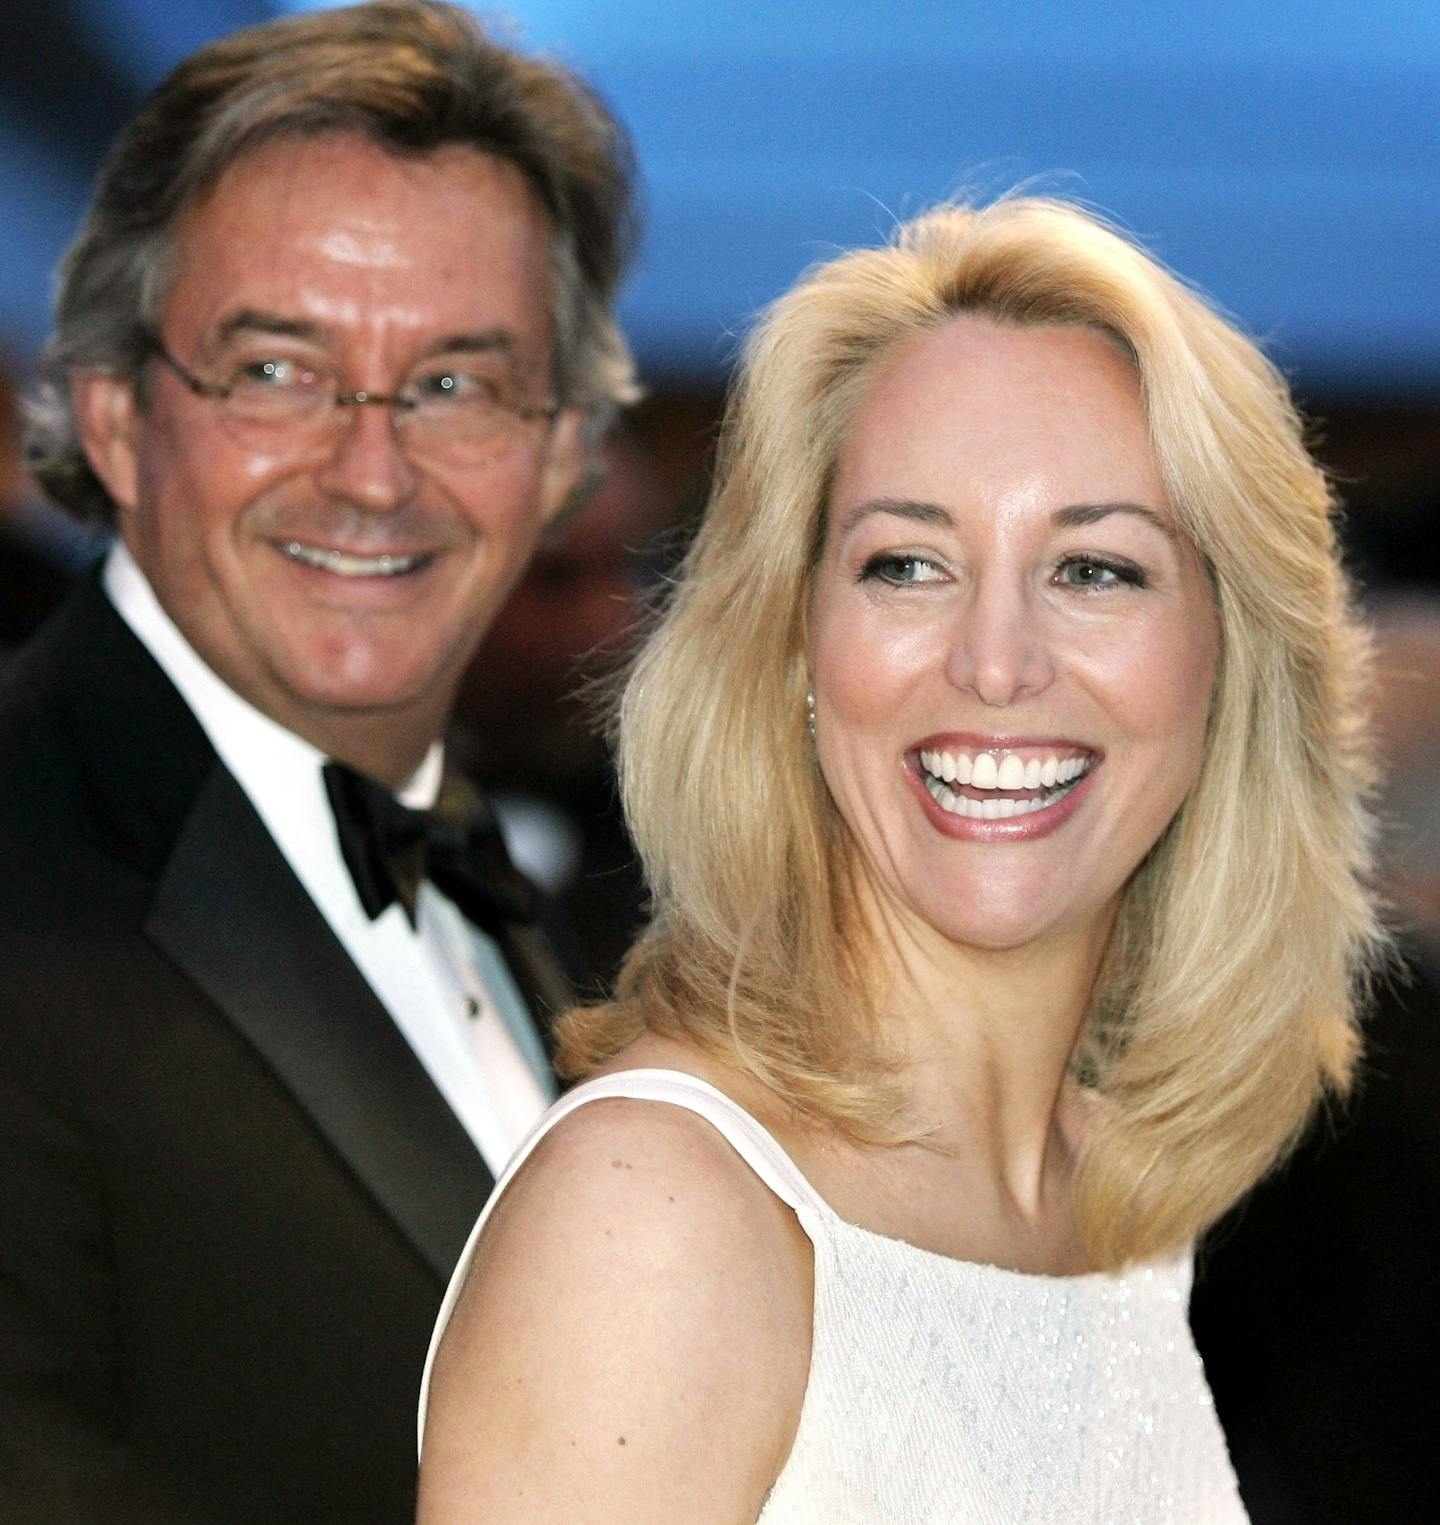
column 810, row 712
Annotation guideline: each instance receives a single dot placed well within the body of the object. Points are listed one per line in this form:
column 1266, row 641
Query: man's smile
column 350, row 564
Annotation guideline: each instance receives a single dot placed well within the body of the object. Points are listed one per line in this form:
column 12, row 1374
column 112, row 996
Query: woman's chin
column 1021, row 923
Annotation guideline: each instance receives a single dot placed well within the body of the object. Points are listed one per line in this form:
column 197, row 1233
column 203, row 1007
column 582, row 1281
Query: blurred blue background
column 1284, row 156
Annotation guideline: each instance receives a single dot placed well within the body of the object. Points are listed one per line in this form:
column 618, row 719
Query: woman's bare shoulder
column 618, row 1161
column 633, row 1338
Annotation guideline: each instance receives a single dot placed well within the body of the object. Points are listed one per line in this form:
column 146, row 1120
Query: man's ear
column 568, row 455
column 107, row 414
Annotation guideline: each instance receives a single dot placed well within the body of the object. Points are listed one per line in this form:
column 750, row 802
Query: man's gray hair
column 412, row 76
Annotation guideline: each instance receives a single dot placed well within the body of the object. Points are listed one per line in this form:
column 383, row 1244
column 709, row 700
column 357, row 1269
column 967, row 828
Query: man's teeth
column 981, row 770
column 345, row 565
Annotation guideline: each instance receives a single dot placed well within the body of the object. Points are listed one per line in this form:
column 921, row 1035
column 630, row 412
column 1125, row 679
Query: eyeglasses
column 442, row 407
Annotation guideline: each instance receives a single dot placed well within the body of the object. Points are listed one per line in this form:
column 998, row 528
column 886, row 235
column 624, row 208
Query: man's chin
column 401, row 693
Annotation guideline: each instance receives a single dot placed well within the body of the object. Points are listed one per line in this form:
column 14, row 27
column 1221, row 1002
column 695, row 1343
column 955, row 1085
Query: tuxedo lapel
column 147, row 787
column 229, row 911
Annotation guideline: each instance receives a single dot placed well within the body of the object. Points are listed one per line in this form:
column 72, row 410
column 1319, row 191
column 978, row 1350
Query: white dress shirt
column 443, row 981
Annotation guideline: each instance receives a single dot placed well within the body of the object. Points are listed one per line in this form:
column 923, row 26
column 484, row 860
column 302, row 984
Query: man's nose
column 367, row 464
column 1002, row 649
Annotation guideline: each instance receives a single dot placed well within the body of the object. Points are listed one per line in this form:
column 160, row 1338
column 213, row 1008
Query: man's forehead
column 315, row 231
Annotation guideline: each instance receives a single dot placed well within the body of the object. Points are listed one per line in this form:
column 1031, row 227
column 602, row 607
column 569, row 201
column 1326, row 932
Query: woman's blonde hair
column 1224, row 1008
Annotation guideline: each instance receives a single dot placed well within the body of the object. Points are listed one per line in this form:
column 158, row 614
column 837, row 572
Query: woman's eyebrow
column 902, row 508
column 1072, row 516
column 1078, row 514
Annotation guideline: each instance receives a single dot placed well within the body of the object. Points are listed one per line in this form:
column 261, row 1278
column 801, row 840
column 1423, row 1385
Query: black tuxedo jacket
column 230, row 1196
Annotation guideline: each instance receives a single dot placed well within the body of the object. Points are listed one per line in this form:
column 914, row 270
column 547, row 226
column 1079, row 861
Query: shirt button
column 472, row 1006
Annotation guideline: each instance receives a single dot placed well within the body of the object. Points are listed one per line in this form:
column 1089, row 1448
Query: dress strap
column 752, row 1142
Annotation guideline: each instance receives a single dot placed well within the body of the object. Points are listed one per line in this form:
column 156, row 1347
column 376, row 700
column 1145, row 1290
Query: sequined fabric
column 943, row 1392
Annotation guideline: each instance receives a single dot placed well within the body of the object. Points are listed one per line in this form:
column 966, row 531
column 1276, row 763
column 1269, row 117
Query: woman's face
column 1013, row 644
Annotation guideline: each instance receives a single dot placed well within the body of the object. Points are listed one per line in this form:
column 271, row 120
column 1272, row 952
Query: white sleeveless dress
column 943, row 1391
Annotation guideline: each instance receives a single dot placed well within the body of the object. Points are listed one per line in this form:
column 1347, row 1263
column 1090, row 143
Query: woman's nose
column 1001, row 648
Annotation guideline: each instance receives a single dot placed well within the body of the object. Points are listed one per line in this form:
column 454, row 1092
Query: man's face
column 339, row 579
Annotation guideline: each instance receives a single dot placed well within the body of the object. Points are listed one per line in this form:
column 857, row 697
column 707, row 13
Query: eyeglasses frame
column 219, row 392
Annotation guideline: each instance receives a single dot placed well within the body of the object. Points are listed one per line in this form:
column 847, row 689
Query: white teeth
column 343, row 565
column 1008, row 771
column 1012, row 773
column 987, row 810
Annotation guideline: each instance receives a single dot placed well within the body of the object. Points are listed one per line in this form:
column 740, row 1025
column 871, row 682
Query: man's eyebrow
column 488, row 341
column 247, row 320
column 903, row 508
column 1078, row 514
column 255, row 320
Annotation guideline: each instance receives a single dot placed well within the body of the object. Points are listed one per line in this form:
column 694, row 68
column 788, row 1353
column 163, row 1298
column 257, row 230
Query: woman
column 996, row 774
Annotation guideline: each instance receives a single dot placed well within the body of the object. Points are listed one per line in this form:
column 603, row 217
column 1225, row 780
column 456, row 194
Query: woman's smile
column 1001, row 781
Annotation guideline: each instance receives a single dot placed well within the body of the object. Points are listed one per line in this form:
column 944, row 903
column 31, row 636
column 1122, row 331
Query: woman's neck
column 983, row 1040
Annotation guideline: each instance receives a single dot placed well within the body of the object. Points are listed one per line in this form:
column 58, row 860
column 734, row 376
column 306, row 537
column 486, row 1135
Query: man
column 331, row 349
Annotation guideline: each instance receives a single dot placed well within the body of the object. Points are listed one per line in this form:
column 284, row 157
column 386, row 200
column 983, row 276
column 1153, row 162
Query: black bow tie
column 390, row 848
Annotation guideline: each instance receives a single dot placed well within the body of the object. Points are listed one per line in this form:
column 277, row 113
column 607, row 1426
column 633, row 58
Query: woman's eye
column 900, row 569
column 1091, row 572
